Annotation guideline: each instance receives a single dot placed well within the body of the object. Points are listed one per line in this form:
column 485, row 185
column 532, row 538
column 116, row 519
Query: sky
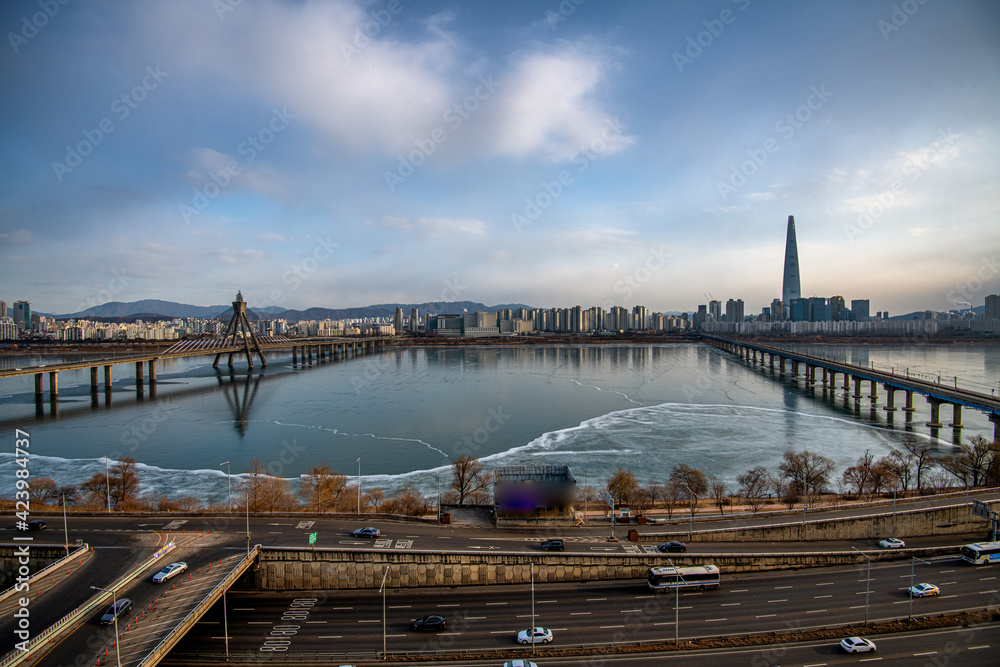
column 552, row 153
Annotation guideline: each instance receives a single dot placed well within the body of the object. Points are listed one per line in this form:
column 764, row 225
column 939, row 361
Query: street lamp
column 382, row 591
column 531, row 632
column 868, row 581
column 114, row 607
column 225, row 621
column 359, row 486
column 107, row 481
column 677, row 602
column 248, row 521
column 65, row 525
column 894, row 500
column 691, row 521
column 229, row 481
column 914, row 559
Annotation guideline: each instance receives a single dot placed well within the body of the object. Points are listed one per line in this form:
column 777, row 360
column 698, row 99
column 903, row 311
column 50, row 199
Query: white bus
column 668, row 578
column 981, row 553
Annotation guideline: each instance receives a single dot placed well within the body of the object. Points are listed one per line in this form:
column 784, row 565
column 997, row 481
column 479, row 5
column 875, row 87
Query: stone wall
column 39, row 557
column 287, row 569
column 951, row 520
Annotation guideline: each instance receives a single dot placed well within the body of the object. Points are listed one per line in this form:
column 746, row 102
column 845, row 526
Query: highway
column 348, row 623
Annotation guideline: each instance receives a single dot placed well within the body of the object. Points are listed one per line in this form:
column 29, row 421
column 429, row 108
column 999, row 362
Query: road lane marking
column 474, row 618
column 816, row 664
column 664, row 623
column 977, row 648
column 740, row 590
column 731, row 604
column 778, row 588
column 869, row 659
column 596, row 599
column 986, row 578
column 829, row 583
column 258, row 622
column 242, row 608
column 785, row 600
column 917, row 655
column 579, row 613
column 629, row 611
column 315, row 621
column 817, row 597
column 816, row 611
column 610, row 627
column 450, row 604
column 494, row 603
column 766, row 615
column 946, row 571
column 329, row 637
column 377, row 620
column 715, row 620
column 340, row 608
column 400, row 606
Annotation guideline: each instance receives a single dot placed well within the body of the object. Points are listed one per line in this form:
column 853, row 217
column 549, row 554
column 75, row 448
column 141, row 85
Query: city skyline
column 341, row 153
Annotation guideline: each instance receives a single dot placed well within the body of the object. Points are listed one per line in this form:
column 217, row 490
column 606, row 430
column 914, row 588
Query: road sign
column 312, row 538
column 609, row 500
column 980, row 508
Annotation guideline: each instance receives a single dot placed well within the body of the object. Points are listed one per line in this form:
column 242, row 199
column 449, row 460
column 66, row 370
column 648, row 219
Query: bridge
column 238, row 338
column 935, row 393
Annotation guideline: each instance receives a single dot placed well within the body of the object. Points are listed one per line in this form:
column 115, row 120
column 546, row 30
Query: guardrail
column 168, row 642
column 44, row 571
column 69, row 620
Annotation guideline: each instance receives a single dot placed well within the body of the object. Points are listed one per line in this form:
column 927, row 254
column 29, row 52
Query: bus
column 981, row 553
column 669, row 578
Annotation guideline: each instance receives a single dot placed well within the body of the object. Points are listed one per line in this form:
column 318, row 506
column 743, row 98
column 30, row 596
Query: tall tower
column 790, row 288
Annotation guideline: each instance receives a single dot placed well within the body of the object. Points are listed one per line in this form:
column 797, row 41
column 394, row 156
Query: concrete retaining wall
column 39, row 557
column 287, row 569
column 951, row 520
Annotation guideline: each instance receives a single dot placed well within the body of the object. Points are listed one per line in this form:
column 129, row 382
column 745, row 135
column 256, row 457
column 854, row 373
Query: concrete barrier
column 291, row 569
column 955, row 519
column 49, row 557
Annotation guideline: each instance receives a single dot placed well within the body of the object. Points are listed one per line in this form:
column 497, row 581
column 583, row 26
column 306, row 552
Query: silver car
column 169, row 571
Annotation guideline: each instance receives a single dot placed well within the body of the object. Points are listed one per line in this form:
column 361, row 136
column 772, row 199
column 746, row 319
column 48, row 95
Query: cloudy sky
column 344, row 153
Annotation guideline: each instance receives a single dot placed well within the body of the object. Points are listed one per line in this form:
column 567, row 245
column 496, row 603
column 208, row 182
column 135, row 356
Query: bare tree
column 375, row 498
column 640, row 501
column 858, row 477
column 43, row 491
column 719, row 491
column 672, row 494
column 810, row 471
column 263, row 492
column 692, row 480
column 469, row 479
column 923, row 459
column 622, row 485
column 754, row 485
column 406, row 501
column 321, row 488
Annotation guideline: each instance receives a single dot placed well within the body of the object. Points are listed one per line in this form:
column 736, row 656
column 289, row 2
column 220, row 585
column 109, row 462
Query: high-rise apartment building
column 714, row 311
column 3, row 309
column 860, row 310
column 790, row 287
column 777, row 310
column 22, row 315
column 992, row 310
column 734, row 310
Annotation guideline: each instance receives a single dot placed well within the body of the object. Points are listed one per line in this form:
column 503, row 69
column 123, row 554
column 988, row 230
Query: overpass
column 805, row 366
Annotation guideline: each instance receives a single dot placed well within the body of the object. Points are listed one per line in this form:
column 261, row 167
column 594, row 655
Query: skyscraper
column 790, row 288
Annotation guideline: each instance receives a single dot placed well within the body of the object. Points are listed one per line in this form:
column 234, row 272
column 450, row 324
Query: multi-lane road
column 349, row 624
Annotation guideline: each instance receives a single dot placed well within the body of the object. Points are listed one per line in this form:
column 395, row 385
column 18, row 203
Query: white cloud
column 548, row 108
column 16, row 237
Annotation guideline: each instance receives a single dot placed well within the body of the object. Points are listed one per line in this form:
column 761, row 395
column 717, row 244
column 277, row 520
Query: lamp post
column 359, row 486
column 868, row 581
column 531, row 632
column 382, row 591
column 677, row 603
column 114, row 607
column 691, row 521
column 65, row 525
column 248, row 522
column 107, row 481
column 914, row 559
column 586, row 495
column 439, row 496
column 229, row 482
column 225, row 621
column 900, row 479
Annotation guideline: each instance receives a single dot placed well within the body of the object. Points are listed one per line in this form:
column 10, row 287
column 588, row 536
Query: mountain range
column 152, row 309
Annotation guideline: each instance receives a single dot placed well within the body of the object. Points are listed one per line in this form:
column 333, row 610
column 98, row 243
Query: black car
column 552, row 545
column 37, row 524
column 432, row 622
column 116, row 610
column 671, row 546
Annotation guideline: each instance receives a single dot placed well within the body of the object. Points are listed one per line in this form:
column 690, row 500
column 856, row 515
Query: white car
column 519, row 663
column 534, row 636
column 892, row 543
column 924, row 590
column 169, row 571
column 857, row 645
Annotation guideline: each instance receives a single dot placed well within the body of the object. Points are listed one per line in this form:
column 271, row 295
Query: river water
column 407, row 412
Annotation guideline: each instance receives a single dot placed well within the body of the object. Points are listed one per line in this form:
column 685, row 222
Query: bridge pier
column 909, row 402
column 795, row 368
column 874, row 391
column 93, row 379
column 833, row 380
column 295, row 355
column 151, row 364
column 39, row 390
column 995, row 418
column 890, row 398
column 956, row 416
column 53, row 384
column 857, row 387
column 107, row 378
column 935, row 421
column 781, row 365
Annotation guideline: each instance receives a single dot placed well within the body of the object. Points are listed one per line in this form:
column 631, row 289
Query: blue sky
column 347, row 153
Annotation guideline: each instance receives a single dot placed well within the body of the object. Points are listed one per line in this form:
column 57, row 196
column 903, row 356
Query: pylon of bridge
column 239, row 322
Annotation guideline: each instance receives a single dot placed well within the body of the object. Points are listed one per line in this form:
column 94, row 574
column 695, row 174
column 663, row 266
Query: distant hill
column 153, row 309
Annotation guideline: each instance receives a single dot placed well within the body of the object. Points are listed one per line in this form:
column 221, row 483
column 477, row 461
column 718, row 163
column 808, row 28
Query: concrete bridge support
column 890, row 398
column 995, row 418
column 295, row 355
column 956, row 416
column 874, row 391
column 151, row 365
column 107, row 378
column 833, row 380
column 795, row 368
column 93, row 379
column 39, row 389
column 857, row 387
column 53, row 384
column 781, row 365
column 935, row 421
column 771, row 361
column 138, row 373
column 909, row 402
